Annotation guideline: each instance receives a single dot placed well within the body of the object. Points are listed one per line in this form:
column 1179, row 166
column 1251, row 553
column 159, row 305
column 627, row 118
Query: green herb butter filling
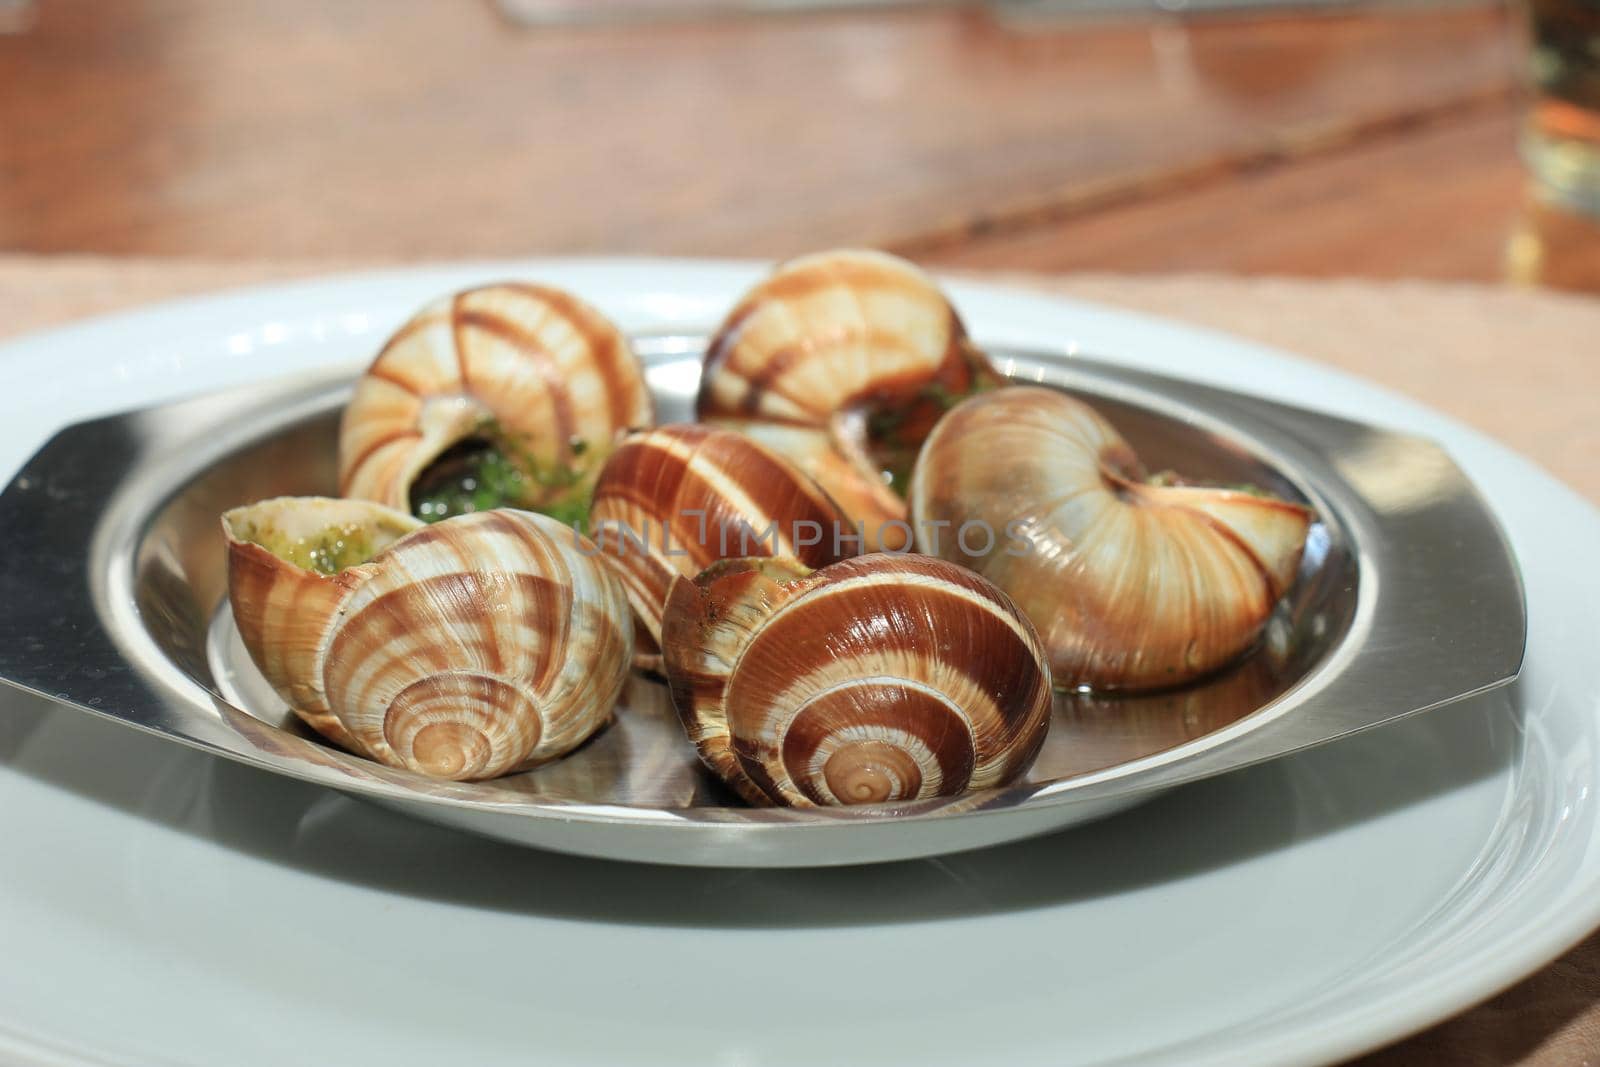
column 326, row 551
column 896, row 427
column 492, row 470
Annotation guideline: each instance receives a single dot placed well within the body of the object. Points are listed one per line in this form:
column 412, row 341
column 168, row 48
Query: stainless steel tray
column 112, row 600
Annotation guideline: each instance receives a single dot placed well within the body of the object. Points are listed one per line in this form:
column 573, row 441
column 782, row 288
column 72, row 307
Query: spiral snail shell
column 471, row 648
column 674, row 500
column 507, row 394
column 843, row 361
column 879, row 679
column 1132, row 584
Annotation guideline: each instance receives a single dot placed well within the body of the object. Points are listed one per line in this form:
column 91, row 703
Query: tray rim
column 124, row 513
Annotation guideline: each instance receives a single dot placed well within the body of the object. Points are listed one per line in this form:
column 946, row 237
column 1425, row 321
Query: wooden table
column 1375, row 145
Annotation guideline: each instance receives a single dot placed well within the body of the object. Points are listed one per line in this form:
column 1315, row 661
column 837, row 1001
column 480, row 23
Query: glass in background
column 1554, row 248
column 1561, row 141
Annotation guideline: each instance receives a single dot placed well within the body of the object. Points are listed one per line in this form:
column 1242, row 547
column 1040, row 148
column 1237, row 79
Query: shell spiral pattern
column 1131, row 584
column 879, row 679
column 468, row 649
column 672, row 501
column 842, row 361
column 532, row 367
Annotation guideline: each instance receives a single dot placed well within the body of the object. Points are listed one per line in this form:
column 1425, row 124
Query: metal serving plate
column 112, row 599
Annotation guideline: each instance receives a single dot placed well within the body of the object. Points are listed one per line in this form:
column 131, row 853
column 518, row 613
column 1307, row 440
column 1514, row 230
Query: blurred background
column 1313, row 138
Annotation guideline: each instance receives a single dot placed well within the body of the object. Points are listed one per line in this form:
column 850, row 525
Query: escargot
column 467, row 649
column 880, row 679
column 843, row 361
column 1133, row 583
column 674, row 500
column 505, row 395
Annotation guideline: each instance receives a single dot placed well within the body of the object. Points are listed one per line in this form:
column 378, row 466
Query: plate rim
column 1505, row 959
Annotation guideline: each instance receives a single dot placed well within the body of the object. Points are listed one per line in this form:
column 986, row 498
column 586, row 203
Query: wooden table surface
column 1377, row 145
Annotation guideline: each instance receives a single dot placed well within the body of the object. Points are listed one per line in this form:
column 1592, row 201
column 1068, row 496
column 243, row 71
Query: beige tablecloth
column 1521, row 366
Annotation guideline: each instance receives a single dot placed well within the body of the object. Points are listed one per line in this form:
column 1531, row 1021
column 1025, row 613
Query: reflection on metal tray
column 112, row 598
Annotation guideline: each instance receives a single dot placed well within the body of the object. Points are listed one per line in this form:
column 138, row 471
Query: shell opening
column 489, row 469
column 1125, row 475
column 1173, row 480
column 318, row 535
column 890, row 425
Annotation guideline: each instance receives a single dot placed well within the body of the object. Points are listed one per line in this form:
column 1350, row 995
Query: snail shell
column 843, row 361
column 471, row 648
column 879, row 679
column 1132, row 585
column 530, row 368
column 674, row 500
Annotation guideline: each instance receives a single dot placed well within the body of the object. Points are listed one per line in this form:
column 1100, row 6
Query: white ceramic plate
column 161, row 906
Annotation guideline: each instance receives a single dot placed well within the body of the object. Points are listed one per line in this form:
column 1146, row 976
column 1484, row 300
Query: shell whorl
column 467, row 649
column 674, row 500
column 878, row 679
column 827, row 336
column 542, row 366
column 461, row 724
column 1131, row 584
column 824, row 331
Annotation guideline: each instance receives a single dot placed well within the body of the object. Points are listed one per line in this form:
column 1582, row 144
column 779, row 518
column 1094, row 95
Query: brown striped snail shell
column 1131, row 584
column 471, row 648
column 843, row 361
column 879, row 679
column 674, row 500
column 528, row 371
